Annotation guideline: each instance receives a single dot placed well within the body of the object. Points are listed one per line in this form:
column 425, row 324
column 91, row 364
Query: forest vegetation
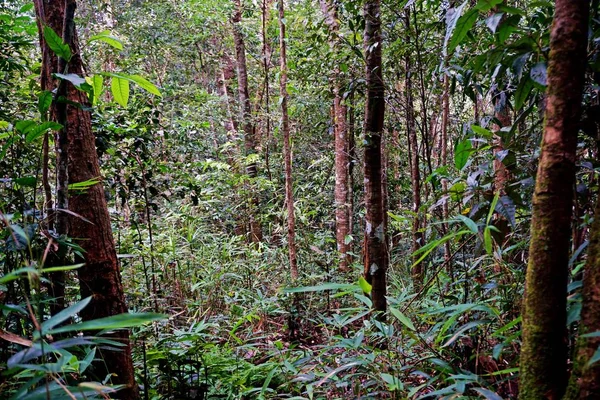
column 299, row 199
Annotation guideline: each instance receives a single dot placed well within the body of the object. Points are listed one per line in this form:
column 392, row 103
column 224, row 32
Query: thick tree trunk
column 340, row 131
column 375, row 252
column 585, row 380
column 417, row 271
column 287, row 151
column 544, row 350
column 247, row 123
column 100, row 276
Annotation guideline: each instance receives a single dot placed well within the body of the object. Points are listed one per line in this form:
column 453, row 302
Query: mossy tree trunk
column 544, row 350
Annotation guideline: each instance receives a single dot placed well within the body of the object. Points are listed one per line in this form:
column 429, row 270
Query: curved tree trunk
column 544, row 350
column 100, row 276
column 375, row 252
column 287, row 151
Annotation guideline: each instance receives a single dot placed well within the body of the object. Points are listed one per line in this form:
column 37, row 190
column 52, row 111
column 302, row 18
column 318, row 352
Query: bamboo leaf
column 402, row 318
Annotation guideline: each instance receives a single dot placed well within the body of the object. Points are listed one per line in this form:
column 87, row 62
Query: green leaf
column 322, row 288
column 120, row 90
column 26, row 181
column 457, row 190
column 139, row 80
column 56, row 44
column 25, row 126
column 469, row 223
column 144, row 84
column 108, row 38
column 463, row 26
column 44, row 103
column 487, row 5
column 120, row 321
column 522, row 92
column 64, row 315
column 492, row 208
column 37, row 131
column 364, row 285
column 98, row 86
column 402, row 318
column 486, row 133
column 63, row 268
column 462, row 151
column 487, row 240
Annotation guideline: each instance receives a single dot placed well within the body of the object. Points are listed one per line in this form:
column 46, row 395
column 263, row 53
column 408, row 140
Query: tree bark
column 544, row 350
column 287, row 151
column 417, row 270
column 375, row 252
column 247, row 123
column 501, row 173
column 100, row 276
column 340, row 131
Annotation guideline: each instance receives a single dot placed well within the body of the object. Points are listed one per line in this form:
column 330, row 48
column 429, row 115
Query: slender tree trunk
column 352, row 160
column 287, row 151
column 342, row 210
column 444, row 158
column 247, row 123
column 266, row 50
column 544, row 350
column 415, row 175
column 375, row 252
column 501, row 173
column 100, row 276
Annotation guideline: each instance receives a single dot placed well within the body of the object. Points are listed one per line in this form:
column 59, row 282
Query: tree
column 417, row 272
column 375, row 252
column 340, row 131
column 90, row 226
column 287, row 151
column 247, row 123
column 544, row 351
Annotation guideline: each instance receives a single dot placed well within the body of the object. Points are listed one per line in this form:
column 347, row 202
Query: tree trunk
column 375, row 252
column 544, row 350
column 100, row 276
column 501, row 173
column 417, row 271
column 287, row 151
column 247, row 123
column 444, row 161
column 342, row 209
